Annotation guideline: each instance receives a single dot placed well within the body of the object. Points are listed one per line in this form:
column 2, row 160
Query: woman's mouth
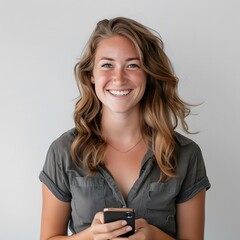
column 119, row 93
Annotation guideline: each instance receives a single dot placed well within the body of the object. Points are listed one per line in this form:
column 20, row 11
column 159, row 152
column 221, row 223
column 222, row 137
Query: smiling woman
column 119, row 80
column 124, row 150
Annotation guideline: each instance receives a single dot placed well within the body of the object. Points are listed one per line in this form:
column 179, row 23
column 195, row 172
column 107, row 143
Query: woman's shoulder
column 59, row 150
column 64, row 141
column 182, row 140
column 188, row 152
column 185, row 146
column 191, row 171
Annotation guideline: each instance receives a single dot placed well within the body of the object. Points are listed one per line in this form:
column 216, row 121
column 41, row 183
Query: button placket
column 111, row 183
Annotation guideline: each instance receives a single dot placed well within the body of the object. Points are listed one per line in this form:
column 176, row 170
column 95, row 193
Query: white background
column 40, row 42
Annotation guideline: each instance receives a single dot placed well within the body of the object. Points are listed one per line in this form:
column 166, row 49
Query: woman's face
column 119, row 80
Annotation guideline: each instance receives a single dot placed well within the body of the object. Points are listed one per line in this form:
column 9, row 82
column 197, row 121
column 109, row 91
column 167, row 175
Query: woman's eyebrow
column 128, row 59
column 133, row 58
column 106, row 58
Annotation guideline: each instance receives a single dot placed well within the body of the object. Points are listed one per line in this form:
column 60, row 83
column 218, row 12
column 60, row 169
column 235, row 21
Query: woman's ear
column 92, row 80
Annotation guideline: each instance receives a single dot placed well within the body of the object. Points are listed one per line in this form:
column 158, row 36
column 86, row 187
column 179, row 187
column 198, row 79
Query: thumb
column 98, row 218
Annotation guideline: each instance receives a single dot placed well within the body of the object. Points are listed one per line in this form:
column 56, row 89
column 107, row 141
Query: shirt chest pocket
column 161, row 196
column 88, row 197
column 160, row 205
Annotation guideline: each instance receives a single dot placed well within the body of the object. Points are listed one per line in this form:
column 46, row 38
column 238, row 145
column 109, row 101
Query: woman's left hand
column 143, row 231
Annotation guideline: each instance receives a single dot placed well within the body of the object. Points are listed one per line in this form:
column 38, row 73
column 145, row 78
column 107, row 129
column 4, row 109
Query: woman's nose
column 119, row 76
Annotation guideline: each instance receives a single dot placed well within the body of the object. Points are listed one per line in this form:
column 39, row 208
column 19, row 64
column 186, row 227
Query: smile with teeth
column 119, row 93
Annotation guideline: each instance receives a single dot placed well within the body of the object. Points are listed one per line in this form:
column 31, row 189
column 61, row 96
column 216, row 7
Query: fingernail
column 124, row 223
column 128, row 228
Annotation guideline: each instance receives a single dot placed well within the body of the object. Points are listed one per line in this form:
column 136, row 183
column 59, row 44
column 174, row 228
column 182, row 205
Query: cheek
column 100, row 77
column 142, row 81
column 143, row 85
column 99, row 87
column 143, row 91
column 101, row 81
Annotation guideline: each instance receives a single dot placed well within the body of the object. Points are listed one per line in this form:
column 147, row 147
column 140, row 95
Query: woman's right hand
column 104, row 231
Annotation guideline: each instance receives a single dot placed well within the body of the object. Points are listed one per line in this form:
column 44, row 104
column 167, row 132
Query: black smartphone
column 114, row 214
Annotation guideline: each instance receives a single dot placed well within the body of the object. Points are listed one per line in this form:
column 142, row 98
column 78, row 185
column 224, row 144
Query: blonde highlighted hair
column 161, row 107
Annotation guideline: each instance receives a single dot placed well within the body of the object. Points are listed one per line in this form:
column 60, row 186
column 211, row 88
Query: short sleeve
column 195, row 178
column 54, row 174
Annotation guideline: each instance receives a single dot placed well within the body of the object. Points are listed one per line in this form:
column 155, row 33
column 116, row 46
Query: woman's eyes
column 106, row 65
column 131, row 66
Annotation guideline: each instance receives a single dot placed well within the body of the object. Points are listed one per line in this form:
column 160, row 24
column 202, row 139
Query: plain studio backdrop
column 40, row 42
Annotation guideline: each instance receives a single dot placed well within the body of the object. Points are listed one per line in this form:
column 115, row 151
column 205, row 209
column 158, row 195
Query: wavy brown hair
column 161, row 107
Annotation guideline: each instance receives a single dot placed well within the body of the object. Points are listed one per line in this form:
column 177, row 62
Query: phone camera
column 128, row 214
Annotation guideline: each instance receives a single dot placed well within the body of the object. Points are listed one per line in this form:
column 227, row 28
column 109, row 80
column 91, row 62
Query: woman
column 124, row 150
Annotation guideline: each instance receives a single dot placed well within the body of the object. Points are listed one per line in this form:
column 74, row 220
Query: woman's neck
column 125, row 128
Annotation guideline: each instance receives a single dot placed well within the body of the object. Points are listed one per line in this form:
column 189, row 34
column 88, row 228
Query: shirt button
column 142, row 171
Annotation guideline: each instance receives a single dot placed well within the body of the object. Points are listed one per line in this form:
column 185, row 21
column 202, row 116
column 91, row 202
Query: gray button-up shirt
column 153, row 200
